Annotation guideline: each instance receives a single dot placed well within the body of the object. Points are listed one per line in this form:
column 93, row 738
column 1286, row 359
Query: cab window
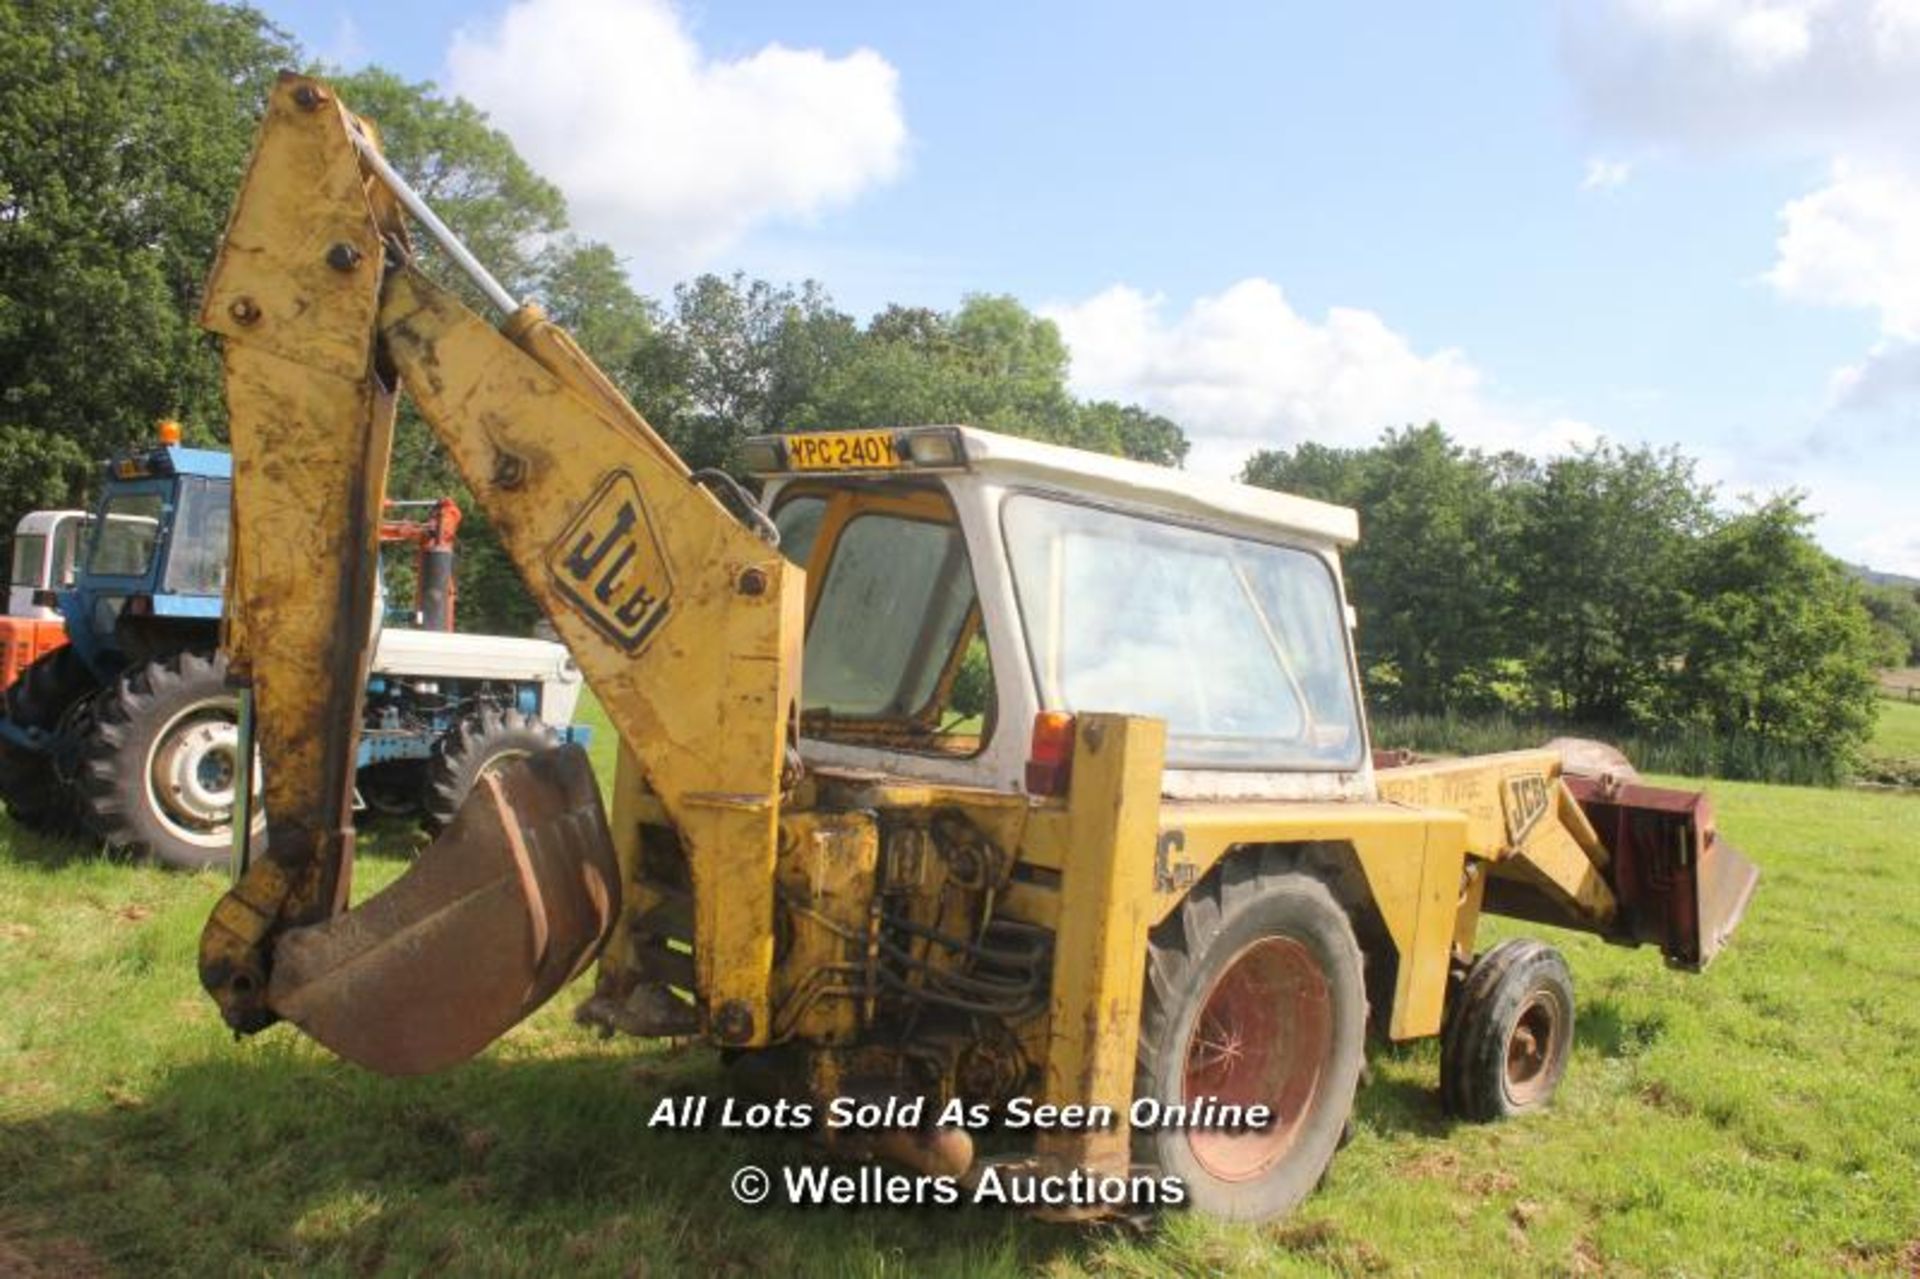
column 1240, row 646
column 128, row 533
column 67, row 535
column 29, row 552
column 894, row 651
column 197, row 558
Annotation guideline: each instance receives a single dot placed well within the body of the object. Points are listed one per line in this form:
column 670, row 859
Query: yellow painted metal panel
column 682, row 620
column 1101, row 946
column 1411, row 858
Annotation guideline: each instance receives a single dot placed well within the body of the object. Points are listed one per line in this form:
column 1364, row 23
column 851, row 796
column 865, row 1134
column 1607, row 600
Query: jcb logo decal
column 609, row 564
column 1526, row 803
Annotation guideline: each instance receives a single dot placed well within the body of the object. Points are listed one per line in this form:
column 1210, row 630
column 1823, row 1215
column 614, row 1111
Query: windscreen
column 197, row 552
column 1240, row 646
column 128, row 534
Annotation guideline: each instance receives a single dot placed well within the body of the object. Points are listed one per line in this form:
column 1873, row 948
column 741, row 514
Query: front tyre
column 480, row 744
column 1509, row 1033
column 1254, row 995
column 156, row 777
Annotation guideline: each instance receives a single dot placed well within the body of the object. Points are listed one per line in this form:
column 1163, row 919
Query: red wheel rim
column 1532, row 1045
column 1263, row 1037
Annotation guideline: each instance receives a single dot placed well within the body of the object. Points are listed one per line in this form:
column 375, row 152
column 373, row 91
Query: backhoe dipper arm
column 686, row 624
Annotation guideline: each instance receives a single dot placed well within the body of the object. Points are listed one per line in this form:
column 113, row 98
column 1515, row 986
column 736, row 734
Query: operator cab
column 966, row 589
column 44, row 556
column 154, row 557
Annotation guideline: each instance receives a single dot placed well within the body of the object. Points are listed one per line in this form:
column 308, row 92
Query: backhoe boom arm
column 685, row 623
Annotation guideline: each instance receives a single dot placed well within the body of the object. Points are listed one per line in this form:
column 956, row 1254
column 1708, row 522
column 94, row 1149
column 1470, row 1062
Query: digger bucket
column 511, row 902
column 1680, row 885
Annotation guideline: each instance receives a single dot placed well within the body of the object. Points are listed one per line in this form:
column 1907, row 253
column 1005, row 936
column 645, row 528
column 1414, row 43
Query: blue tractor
column 130, row 732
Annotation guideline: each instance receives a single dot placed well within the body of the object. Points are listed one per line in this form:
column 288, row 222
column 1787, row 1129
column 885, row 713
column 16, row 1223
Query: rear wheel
column 157, row 775
column 43, row 698
column 1508, row 1034
column 1254, row 995
column 479, row 744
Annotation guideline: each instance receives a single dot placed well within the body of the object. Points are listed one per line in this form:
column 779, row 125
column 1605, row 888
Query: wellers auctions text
column 812, row 1185
column 1146, row 1114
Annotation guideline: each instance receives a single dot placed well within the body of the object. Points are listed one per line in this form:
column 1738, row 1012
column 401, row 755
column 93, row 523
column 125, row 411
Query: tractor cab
column 966, row 591
column 154, row 562
column 45, row 554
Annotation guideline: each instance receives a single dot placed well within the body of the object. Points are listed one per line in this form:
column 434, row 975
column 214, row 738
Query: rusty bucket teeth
column 512, row 901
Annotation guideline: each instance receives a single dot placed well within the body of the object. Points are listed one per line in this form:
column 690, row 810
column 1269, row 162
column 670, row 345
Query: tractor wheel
column 394, row 789
column 1508, row 1034
column 42, row 698
column 476, row 746
column 1254, row 995
column 156, row 776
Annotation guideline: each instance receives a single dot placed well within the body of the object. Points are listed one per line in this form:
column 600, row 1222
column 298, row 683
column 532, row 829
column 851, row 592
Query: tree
column 1603, row 542
column 1776, row 642
column 1895, row 610
column 585, row 291
column 39, row 469
column 1432, row 577
column 991, row 364
column 124, row 127
column 1309, row 470
column 736, row 358
column 1130, row 431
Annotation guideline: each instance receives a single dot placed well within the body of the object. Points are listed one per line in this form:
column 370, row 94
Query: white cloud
column 1809, row 76
column 1605, row 175
column 1835, row 79
column 1855, row 243
column 1888, row 375
column 1242, row 370
column 666, row 153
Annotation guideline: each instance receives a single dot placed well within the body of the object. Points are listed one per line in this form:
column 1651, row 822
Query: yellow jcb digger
column 954, row 766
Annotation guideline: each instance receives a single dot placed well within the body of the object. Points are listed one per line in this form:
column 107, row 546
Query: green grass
column 1896, row 734
column 1761, row 1118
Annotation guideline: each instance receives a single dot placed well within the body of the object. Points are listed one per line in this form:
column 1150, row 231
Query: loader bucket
column 512, row 901
column 1680, row 885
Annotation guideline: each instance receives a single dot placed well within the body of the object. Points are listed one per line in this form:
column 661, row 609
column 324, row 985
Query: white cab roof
column 44, row 521
column 1009, row 460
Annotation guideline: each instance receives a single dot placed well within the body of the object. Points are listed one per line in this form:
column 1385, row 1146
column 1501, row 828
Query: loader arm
column 685, row 623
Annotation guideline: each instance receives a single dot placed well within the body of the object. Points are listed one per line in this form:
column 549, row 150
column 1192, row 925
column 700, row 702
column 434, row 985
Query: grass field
column 1763, row 1118
column 1896, row 734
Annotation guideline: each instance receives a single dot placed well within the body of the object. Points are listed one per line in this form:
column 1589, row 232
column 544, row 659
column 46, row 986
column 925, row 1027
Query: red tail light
column 1050, row 757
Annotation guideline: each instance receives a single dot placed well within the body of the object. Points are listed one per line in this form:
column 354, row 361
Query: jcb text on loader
column 958, row 766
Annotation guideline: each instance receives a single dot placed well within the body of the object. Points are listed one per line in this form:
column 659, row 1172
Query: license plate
column 842, row 451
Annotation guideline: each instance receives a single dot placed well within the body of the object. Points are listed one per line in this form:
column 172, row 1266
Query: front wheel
column 156, row 776
column 1254, row 995
column 480, row 744
column 1509, row 1033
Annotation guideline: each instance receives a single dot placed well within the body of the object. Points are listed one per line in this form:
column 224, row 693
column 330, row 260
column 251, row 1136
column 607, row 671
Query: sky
column 1668, row 222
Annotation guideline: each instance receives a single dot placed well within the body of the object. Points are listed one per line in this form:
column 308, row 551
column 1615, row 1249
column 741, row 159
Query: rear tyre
column 1255, row 995
column 156, row 777
column 1509, row 1033
column 30, row 785
column 479, row 744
